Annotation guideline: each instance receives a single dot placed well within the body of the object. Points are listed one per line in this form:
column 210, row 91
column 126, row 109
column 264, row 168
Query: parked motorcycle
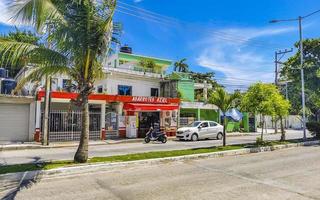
column 155, row 135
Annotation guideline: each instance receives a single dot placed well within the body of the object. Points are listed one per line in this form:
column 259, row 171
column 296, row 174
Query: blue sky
column 231, row 38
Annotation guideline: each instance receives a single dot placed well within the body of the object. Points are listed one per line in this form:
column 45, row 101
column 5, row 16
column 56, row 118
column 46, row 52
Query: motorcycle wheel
column 147, row 140
column 164, row 140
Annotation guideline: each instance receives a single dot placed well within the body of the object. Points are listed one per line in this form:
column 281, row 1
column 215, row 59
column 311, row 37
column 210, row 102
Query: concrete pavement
column 67, row 153
column 284, row 174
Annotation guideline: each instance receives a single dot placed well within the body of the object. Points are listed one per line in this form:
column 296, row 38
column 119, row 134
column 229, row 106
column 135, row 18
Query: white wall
column 140, row 86
column 292, row 121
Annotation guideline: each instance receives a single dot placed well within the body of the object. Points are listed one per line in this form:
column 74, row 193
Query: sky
column 232, row 38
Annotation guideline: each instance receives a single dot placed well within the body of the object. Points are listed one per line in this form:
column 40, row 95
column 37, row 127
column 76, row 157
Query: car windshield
column 194, row 124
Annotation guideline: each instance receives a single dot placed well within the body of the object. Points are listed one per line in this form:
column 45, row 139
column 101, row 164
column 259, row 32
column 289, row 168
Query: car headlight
column 187, row 131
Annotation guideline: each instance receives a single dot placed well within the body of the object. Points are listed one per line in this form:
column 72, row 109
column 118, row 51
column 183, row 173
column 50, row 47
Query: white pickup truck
column 200, row 130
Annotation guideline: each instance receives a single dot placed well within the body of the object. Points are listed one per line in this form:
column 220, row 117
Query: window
column 54, row 84
column 212, row 124
column 100, row 89
column 154, row 92
column 125, row 90
column 204, row 125
column 65, row 83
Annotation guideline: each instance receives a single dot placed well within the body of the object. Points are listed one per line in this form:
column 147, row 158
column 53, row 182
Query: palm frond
column 38, row 72
column 12, row 52
column 35, row 12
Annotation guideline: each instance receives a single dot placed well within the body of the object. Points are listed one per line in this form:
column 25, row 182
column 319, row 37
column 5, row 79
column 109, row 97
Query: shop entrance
column 146, row 120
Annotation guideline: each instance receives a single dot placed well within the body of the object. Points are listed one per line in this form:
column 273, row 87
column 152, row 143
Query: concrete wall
column 140, row 86
column 292, row 121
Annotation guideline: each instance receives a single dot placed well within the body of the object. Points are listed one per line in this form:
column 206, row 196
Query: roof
column 160, row 61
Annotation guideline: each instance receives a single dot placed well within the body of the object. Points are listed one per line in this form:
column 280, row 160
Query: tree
column 257, row 100
column 224, row 102
column 18, row 36
column 291, row 72
column 147, row 63
column 281, row 108
column 181, row 66
column 80, row 34
column 207, row 77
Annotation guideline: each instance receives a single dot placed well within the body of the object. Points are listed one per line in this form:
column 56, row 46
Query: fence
column 112, row 125
column 66, row 126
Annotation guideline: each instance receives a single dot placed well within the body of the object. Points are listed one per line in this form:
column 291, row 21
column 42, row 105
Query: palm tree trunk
column 81, row 155
column 283, row 133
column 224, row 129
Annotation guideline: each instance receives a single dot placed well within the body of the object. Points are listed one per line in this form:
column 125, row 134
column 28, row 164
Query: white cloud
column 239, row 60
column 137, row 1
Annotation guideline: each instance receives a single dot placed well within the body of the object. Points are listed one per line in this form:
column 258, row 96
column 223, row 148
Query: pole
column 45, row 127
column 276, row 68
column 302, row 80
column 287, row 98
column 47, row 101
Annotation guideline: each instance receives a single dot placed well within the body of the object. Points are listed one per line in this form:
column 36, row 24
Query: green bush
column 314, row 128
column 262, row 143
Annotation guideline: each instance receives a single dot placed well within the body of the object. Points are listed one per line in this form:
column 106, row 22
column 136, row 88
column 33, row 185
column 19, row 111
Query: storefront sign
column 113, row 98
column 138, row 99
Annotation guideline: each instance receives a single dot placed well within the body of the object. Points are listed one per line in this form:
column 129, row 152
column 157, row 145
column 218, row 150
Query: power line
column 150, row 16
column 219, row 35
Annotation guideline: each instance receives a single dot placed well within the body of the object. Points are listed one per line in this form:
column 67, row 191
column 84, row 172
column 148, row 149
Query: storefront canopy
column 149, row 107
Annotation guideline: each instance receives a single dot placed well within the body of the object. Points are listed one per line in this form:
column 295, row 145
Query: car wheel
column 219, row 136
column 194, row 137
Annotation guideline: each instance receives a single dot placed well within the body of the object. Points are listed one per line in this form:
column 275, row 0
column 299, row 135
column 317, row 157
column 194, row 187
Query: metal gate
column 112, row 125
column 66, row 126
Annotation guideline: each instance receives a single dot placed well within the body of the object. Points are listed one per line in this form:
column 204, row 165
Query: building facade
column 134, row 95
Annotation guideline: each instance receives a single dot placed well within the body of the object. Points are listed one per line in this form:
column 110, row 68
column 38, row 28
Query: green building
column 180, row 85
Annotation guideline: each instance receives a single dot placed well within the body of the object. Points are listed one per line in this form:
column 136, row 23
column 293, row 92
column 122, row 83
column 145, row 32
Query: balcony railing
column 136, row 70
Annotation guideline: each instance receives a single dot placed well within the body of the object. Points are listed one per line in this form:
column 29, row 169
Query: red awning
column 149, row 107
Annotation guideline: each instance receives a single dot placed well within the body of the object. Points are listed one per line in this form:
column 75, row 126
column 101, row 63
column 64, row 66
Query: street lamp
column 299, row 19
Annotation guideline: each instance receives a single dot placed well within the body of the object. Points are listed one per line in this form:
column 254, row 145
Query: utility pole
column 299, row 19
column 302, row 81
column 45, row 125
column 278, row 55
column 47, row 101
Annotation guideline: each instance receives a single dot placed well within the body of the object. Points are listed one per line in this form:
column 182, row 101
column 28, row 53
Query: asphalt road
column 67, row 153
column 291, row 174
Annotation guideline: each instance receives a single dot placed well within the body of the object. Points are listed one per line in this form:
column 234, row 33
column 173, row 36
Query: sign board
column 138, row 99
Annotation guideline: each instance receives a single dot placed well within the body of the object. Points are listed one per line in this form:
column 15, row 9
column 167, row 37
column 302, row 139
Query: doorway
column 147, row 120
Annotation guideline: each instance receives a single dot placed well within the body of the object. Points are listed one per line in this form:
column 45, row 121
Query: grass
column 121, row 158
column 131, row 157
column 162, row 154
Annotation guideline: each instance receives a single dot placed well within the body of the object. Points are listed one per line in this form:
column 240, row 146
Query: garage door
column 14, row 122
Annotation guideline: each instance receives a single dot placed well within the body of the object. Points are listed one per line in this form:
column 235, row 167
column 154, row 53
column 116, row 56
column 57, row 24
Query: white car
column 200, row 130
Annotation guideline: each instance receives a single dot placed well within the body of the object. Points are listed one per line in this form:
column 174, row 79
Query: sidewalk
column 36, row 145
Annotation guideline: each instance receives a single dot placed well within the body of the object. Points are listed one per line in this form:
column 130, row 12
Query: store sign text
column 150, row 99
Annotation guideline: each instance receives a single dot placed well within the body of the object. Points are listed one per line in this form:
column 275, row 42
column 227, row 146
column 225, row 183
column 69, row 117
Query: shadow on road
column 18, row 182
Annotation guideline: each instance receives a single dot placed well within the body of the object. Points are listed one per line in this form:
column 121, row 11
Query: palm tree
column 80, row 35
column 181, row 66
column 224, row 102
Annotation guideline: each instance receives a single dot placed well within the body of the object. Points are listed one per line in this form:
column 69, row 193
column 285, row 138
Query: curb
column 103, row 166
column 85, row 168
column 106, row 142
column 35, row 146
